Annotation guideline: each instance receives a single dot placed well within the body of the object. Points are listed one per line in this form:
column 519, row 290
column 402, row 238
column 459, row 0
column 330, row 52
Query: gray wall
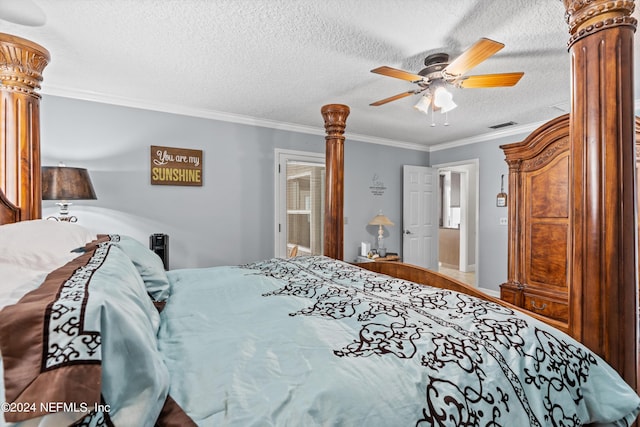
column 373, row 183
column 230, row 219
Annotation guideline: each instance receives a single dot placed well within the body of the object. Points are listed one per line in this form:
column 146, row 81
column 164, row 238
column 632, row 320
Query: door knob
column 407, row 232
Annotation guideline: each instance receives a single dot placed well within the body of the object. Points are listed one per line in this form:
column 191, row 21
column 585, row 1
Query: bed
column 107, row 337
column 316, row 341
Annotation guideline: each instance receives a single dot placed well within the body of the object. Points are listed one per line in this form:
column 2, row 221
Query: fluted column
column 335, row 121
column 604, row 290
column 21, row 66
column 514, row 253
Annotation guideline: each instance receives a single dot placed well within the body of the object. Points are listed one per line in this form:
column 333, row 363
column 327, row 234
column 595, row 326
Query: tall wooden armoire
column 540, row 229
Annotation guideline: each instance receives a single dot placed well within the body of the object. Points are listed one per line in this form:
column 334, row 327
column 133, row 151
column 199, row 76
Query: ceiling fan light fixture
column 443, row 99
column 423, row 103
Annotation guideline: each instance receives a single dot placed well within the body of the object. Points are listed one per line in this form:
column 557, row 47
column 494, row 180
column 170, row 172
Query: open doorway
column 299, row 183
column 458, row 212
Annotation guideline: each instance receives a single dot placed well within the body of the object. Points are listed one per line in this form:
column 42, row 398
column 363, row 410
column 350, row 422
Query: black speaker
column 159, row 243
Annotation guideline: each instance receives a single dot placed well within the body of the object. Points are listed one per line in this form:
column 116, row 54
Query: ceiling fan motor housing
column 435, row 63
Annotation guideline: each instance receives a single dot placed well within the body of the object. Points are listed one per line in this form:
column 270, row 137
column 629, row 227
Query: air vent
column 502, row 125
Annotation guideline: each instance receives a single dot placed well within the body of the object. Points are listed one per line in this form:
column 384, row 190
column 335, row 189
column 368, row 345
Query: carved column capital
column 335, row 120
column 585, row 17
column 21, row 64
column 514, row 164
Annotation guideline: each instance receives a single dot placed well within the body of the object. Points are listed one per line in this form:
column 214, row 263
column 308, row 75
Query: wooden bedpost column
column 335, row 120
column 21, row 66
column 602, row 137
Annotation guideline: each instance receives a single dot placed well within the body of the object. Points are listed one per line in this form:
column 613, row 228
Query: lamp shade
column 423, row 103
column 442, row 98
column 65, row 183
column 380, row 220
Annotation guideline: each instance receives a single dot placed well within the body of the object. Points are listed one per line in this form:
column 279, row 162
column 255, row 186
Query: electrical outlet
column 503, row 221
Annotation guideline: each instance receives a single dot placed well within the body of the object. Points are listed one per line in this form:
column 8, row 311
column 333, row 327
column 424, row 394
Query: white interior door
column 420, row 217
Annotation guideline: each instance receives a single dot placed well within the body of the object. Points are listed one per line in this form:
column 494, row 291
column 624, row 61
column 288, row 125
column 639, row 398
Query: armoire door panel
column 547, row 254
column 548, row 190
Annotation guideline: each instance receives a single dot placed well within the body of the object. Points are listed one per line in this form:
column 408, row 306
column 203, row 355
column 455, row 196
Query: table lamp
column 64, row 183
column 380, row 220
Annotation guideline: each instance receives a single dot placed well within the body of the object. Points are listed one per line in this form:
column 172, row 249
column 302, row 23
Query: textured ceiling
column 276, row 62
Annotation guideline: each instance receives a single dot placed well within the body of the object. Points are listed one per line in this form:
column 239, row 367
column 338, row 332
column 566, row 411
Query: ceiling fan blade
column 392, row 98
column 398, row 74
column 473, row 56
column 489, row 80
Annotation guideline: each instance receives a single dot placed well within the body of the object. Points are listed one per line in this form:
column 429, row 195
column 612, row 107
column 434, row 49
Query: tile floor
column 469, row 278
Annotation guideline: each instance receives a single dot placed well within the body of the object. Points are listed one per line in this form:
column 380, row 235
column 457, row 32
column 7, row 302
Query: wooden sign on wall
column 176, row 166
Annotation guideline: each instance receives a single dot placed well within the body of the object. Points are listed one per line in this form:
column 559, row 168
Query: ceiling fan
column 439, row 72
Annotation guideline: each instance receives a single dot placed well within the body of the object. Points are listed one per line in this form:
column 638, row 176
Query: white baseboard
column 469, row 268
column 491, row 292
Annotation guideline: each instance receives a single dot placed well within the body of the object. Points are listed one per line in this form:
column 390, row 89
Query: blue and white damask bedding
column 314, row 341
column 308, row 341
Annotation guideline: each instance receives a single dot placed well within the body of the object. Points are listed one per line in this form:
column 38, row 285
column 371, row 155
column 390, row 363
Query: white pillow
column 41, row 244
column 17, row 280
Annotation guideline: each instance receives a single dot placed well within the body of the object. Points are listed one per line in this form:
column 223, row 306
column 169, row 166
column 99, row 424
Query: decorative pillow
column 86, row 337
column 148, row 263
column 41, row 244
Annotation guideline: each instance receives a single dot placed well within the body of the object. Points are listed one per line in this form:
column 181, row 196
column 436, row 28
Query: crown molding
column 218, row 115
column 272, row 124
column 177, row 109
column 388, row 142
column 489, row 136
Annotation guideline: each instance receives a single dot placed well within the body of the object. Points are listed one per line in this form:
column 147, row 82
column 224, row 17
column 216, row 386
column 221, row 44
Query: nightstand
column 387, row 258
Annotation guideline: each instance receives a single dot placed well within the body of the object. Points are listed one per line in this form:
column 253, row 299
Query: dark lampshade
column 65, row 183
